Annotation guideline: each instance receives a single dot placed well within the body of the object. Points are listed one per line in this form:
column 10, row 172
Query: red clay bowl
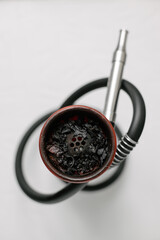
column 68, row 137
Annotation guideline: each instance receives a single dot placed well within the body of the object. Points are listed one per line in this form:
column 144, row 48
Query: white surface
column 47, row 50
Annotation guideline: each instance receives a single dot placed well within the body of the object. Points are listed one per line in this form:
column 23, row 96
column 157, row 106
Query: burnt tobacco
column 77, row 146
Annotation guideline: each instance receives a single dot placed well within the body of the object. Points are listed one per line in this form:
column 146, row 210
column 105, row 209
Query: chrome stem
column 114, row 81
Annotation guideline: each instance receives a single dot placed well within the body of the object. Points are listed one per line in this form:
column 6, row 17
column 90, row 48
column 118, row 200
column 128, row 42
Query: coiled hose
column 70, row 189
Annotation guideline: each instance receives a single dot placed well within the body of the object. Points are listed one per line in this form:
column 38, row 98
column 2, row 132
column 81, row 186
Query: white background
column 48, row 49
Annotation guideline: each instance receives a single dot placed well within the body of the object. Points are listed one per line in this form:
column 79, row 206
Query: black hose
column 71, row 189
column 139, row 111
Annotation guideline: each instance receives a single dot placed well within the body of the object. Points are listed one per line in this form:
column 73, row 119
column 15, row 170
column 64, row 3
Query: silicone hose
column 135, row 131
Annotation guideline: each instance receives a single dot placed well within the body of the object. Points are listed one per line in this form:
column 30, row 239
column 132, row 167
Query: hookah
column 78, row 143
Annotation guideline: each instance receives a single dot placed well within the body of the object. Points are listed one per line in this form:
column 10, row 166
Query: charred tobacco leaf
column 100, row 151
column 77, row 147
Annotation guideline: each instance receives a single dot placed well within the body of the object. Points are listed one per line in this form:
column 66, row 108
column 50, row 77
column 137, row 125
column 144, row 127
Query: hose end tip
column 122, row 39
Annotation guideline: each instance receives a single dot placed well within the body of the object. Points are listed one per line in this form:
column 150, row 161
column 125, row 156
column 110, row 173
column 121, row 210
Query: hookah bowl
column 77, row 143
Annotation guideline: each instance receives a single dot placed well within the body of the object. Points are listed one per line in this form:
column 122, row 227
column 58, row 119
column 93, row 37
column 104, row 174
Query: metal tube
column 115, row 78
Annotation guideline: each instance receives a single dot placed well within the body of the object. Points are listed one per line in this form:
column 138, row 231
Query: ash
column 77, row 146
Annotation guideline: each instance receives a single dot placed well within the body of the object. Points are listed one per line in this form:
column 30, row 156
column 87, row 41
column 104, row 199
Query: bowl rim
column 92, row 175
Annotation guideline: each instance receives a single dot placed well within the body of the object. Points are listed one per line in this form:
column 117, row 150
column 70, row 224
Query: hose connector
column 124, row 148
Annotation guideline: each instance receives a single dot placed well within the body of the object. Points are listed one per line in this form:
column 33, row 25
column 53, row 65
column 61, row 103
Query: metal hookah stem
column 114, row 82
